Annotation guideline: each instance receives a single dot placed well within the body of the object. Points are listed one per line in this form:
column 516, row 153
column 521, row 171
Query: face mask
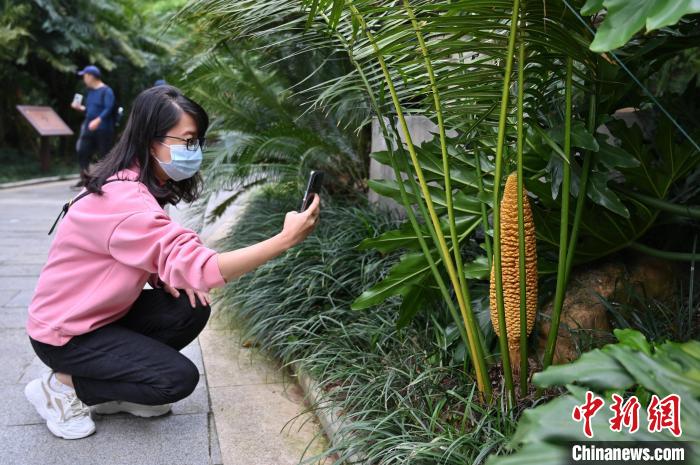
column 183, row 163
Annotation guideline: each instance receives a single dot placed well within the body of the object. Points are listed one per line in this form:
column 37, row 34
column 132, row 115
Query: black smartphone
column 313, row 187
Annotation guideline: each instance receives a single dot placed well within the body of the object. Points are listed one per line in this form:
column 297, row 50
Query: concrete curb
column 31, row 182
column 329, row 417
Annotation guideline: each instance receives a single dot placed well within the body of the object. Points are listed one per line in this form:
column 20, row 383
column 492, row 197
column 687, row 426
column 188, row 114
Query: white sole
column 57, row 431
column 34, row 396
column 116, row 408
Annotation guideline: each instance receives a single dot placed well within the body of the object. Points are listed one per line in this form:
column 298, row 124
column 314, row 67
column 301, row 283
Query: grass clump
column 402, row 396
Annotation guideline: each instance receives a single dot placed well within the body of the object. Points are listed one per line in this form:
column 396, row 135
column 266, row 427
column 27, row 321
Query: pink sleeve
column 154, row 243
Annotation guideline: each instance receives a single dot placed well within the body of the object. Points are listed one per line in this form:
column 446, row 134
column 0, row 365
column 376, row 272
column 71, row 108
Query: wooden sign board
column 45, row 120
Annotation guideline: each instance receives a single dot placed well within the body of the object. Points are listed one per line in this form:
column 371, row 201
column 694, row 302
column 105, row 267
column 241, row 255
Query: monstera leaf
column 625, row 18
column 464, row 204
column 634, row 164
column 405, row 237
column 661, row 164
column 462, row 172
column 401, row 279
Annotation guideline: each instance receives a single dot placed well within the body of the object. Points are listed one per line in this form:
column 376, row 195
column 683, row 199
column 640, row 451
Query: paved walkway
column 250, row 401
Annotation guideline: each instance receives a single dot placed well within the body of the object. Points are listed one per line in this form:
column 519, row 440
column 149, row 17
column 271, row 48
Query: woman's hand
column 297, row 226
column 191, row 293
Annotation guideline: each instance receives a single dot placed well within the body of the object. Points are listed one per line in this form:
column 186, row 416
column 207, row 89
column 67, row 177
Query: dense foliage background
column 604, row 143
column 44, row 42
column 596, row 113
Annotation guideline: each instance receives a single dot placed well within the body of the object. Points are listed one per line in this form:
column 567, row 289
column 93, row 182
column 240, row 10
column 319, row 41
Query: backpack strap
column 67, row 205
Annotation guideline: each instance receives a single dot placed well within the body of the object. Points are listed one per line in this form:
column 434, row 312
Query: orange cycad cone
column 510, row 269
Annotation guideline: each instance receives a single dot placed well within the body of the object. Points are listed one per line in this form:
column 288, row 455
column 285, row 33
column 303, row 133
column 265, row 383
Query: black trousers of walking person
column 136, row 358
column 90, row 142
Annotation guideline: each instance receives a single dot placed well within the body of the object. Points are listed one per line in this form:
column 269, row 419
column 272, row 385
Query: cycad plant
column 410, row 60
column 261, row 130
column 511, row 86
column 489, row 33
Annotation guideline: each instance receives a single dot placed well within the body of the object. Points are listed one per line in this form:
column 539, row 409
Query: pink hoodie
column 103, row 253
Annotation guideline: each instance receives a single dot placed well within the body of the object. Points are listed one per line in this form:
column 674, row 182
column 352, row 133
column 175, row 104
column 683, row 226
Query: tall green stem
column 484, row 213
column 405, row 200
column 446, row 169
column 521, row 223
column 687, row 211
column 464, row 306
column 503, row 336
column 583, row 188
column 677, row 256
column 564, row 230
column 409, row 209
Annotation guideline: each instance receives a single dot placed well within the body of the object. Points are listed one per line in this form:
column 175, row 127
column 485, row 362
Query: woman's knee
column 196, row 318
column 180, row 381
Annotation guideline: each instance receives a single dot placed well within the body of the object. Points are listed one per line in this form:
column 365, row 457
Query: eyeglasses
column 191, row 144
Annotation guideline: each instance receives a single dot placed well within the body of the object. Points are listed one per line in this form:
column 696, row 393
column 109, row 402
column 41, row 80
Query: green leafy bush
column 404, row 400
column 43, row 43
column 597, row 185
column 624, row 19
column 632, row 365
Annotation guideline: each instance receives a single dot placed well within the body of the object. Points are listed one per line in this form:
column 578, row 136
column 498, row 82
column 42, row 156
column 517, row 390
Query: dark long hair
column 155, row 111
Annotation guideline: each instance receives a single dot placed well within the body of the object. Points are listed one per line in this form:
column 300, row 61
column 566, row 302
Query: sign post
column 47, row 123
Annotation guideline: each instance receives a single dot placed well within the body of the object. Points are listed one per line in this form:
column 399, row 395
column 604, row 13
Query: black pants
column 91, row 142
column 137, row 358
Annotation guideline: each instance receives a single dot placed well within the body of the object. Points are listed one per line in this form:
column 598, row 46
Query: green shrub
column 630, row 366
column 403, row 398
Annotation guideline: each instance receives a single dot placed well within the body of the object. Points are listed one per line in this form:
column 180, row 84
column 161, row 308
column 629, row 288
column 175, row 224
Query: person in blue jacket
column 97, row 130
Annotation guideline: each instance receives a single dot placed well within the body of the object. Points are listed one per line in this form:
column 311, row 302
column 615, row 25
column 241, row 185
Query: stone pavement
column 187, row 436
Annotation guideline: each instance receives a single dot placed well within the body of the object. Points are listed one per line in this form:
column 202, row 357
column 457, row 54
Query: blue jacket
column 100, row 102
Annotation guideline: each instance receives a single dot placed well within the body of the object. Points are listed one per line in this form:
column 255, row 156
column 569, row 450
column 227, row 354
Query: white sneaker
column 138, row 410
column 66, row 416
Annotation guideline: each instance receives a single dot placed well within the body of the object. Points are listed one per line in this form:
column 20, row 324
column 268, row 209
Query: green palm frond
column 446, row 61
column 263, row 130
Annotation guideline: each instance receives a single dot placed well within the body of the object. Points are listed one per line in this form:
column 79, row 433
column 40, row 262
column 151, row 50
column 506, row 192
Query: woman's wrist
column 283, row 241
column 235, row 263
